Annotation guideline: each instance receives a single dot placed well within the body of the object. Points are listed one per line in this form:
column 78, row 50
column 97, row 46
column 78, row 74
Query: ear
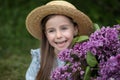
column 75, row 30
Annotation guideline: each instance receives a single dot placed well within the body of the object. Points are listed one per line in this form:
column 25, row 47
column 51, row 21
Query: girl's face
column 60, row 32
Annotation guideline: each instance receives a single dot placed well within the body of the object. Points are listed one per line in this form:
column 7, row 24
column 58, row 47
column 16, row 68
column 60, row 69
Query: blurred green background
column 15, row 41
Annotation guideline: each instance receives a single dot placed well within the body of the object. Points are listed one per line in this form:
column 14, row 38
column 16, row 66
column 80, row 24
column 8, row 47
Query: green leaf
column 91, row 60
column 79, row 39
column 118, row 21
column 87, row 73
column 96, row 27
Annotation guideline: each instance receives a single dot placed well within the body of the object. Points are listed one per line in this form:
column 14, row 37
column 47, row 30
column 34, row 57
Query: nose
column 58, row 34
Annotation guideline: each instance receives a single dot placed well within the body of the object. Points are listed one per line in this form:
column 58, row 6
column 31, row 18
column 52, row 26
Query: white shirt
column 35, row 65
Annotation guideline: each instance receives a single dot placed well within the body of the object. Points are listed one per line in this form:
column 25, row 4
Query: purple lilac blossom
column 65, row 72
column 104, row 43
column 110, row 69
column 80, row 49
column 60, row 73
column 68, row 56
column 65, row 55
column 117, row 27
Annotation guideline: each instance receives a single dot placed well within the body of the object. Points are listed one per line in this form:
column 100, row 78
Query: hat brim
column 85, row 25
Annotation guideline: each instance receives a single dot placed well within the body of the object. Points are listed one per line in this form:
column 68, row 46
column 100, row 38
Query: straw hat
column 57, row 7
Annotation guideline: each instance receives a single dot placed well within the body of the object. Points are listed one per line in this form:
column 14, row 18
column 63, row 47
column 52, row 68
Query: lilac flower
column 110, row 69
column 81, row 49
column 117, row 27
column 104, row 43
column 60, row 73
column 76, row 67
column 65, row 55
column 65, row 72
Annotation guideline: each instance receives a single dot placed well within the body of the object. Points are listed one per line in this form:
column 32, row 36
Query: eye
column 64, row 28
column 50, row 31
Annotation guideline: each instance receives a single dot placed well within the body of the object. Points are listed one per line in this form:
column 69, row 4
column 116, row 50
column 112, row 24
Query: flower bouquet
column 92, row 58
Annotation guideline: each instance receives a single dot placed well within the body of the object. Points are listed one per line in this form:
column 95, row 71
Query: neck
column 56, row 52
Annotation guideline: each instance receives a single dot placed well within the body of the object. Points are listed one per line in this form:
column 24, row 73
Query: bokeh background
column 16, row 42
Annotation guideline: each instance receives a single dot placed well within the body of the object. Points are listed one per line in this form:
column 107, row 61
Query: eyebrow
column 49, row 29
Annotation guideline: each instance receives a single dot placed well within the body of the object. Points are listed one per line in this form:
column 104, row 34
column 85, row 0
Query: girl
column 55, row 25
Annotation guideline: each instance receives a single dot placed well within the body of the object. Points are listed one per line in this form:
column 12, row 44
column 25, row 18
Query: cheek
column 69, row 35
column 50, row 38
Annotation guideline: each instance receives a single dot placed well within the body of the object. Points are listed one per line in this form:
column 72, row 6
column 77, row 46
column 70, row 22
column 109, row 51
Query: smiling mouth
column 61, row 44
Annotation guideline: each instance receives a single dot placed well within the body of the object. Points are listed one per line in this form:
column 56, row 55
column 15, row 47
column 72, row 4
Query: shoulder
column 35, row 53
column 34, row 65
